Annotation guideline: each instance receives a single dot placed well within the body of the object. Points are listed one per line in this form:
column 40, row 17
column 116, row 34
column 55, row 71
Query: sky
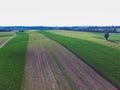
column 59, row 12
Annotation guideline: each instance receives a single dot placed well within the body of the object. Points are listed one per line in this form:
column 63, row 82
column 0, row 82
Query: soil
column 43, row 72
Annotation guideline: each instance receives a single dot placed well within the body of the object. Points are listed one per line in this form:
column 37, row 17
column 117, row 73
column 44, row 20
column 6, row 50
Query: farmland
column 102, row 58
column 94, row 37
column 51, row 66
column 59, row 60
column 4, row 36
column 12, row 62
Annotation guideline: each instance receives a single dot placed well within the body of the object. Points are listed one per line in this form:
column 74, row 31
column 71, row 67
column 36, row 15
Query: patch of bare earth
column 44, row 73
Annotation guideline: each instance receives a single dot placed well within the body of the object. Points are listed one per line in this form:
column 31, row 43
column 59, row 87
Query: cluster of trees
column 111, row 29
column 4, row 30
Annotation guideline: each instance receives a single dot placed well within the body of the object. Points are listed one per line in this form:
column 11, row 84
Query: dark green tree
column 106, row 35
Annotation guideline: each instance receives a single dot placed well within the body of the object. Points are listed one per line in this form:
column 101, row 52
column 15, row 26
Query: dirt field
column 50, row 66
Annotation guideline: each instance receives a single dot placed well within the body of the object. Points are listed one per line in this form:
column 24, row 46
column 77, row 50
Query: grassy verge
column 102, row 58
column 12, row 62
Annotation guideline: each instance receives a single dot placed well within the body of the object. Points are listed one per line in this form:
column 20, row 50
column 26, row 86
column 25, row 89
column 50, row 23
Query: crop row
column 103, row 59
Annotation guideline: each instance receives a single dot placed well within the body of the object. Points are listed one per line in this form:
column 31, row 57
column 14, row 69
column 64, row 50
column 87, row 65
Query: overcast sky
column 59, row 12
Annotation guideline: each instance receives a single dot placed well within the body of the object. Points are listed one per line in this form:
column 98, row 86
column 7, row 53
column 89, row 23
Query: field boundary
column 8, row 40
column 89, row 65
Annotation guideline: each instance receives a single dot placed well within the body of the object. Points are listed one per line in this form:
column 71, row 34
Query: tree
column 106, row 35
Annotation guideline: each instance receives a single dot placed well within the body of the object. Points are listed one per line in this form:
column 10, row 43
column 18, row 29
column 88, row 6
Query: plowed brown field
column 50, row 66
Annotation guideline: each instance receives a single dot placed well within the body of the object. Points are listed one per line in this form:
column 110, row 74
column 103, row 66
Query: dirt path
column 7, row 40
column 50, row 66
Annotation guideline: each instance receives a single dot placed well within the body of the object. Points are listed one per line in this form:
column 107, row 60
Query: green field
column 114, row 40
column 4, row 36
column 12, row 62
column 95, row 51
column 92, row 48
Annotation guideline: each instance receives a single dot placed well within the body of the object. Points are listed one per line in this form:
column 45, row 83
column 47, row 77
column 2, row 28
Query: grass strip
column 12, row 62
